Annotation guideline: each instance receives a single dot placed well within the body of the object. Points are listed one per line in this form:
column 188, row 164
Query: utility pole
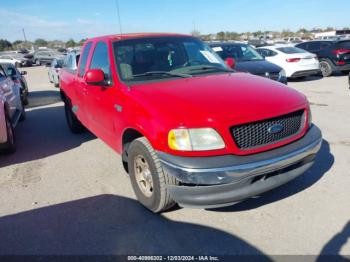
column 24, row 35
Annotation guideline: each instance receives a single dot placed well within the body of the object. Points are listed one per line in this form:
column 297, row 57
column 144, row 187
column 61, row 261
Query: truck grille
column 268, row 131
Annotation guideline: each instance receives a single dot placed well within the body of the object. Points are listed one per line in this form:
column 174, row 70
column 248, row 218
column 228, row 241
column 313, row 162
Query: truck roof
column 134, row 36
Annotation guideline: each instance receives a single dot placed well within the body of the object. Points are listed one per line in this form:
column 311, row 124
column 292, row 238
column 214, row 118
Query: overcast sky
column 64, row 19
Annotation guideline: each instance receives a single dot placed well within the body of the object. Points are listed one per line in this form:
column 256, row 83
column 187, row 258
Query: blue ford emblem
column 277, row 128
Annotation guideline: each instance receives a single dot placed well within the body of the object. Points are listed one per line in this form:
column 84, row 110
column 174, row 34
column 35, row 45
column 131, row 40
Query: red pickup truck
column 190, row 129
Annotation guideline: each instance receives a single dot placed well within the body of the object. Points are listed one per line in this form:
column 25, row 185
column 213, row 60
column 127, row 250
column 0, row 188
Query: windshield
column 165, row 57
column 291, row 50
column 240, row 52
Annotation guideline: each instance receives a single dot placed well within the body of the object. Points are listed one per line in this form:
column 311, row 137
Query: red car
column 190, row 129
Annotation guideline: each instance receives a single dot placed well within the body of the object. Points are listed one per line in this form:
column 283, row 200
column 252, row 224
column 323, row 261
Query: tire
column 25, row 100
column 23, row 114
column 73, row 122
column 155, row 196
column 9, row 146
column 326, row 68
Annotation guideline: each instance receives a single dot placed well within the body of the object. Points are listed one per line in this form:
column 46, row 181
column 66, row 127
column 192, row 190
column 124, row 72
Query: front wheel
column 148, row 179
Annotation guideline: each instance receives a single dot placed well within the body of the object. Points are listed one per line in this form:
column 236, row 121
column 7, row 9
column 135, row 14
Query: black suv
column 333, row 55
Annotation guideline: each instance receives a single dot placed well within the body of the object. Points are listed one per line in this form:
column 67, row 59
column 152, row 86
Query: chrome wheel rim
column 143, row 176
column 324, row 68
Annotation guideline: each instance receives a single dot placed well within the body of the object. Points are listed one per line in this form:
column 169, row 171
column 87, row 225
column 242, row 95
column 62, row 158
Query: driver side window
column 100, row 60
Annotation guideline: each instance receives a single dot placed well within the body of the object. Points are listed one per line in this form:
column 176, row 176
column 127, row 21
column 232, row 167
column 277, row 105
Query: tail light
column 293, row 60
column 340, row 63
column 340, row 51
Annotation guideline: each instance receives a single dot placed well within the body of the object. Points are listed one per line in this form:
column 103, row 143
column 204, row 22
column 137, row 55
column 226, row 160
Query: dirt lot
column 68, row 194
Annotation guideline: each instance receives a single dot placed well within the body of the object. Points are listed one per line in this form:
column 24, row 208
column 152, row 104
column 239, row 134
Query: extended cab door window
column 84, row 58
column 100, row 60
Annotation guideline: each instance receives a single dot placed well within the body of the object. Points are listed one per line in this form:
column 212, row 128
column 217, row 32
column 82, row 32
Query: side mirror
column 95, row 77
column 230, row 62
column 23, row 73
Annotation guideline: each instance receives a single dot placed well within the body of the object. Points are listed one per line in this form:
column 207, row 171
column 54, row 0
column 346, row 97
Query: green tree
column 70, row 43
column 82, row 41
column 220, row 36
column 40, row 42
column 5, row 45
column 17, row 42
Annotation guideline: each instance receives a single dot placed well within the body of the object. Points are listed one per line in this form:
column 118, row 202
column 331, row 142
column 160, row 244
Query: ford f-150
column 190, row 129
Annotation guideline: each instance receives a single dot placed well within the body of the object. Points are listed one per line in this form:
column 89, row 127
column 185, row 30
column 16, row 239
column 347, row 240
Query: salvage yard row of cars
column 189, row 128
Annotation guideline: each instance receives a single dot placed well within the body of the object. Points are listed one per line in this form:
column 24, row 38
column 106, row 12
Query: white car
column 54, row 71
column 10, row 59
column 15, row 59
column 295, row 61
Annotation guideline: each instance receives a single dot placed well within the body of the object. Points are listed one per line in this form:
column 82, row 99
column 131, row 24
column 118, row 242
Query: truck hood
column 225, row 98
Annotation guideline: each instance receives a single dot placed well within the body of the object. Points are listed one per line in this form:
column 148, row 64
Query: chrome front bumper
column 220, row 181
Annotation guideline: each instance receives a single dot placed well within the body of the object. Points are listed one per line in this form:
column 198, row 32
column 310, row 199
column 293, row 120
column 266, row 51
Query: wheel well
column 128, row 136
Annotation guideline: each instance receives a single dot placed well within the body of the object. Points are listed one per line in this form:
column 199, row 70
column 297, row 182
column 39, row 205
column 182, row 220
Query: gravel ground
column 68, row 194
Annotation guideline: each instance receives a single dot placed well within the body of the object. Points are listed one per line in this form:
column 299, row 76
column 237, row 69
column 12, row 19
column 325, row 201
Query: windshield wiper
column 150, row 73
column 212, row 68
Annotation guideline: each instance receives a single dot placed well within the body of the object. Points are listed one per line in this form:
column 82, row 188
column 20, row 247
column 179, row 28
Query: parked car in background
column 333, row 55
column 296, row 62
column 293, row 40
column 248, row 60
column 18, row 77
column 190, row 129
column 11, row 111
column 257, row 42
column 43, row 57
column 71, row 60
column 16, row 59
column 54, row 70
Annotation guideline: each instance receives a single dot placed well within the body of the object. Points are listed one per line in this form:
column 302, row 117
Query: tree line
column 6, row 45
column 302, row 32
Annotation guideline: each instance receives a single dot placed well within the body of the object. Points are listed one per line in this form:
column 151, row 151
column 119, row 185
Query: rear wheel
column 10, row 145
column 326, row 68
column 72, row 121
column 148, row 179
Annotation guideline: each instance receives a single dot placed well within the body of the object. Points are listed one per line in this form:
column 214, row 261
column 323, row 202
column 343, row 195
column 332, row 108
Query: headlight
column 196, row 139
column 282, row 73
